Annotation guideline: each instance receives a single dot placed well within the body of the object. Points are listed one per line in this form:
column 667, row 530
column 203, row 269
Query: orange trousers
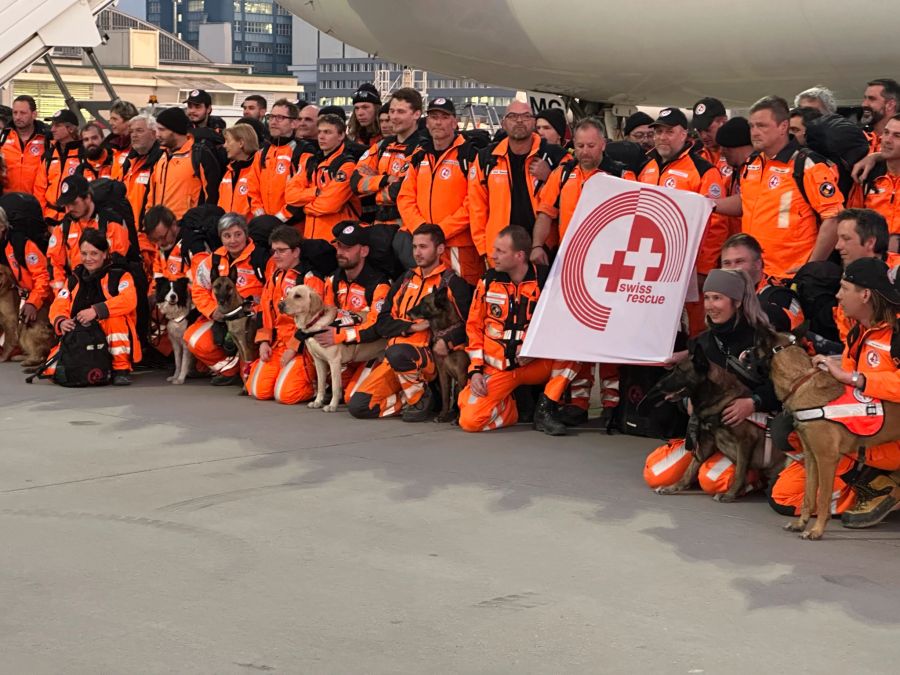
column 666, row 465
column 384, row 387
column 465, row 261
column 580, row 390
column 498, row 408
column 787, row 493
column 200, row 343
column 290, row 384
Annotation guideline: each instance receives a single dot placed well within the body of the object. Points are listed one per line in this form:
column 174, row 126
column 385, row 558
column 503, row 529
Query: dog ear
column 701, row 363
column 315, row 302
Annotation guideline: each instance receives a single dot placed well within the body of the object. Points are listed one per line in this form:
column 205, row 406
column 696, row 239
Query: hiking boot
column 873, row 504
column 546, row 417
column 224, row 380
column 120, row 378
column 420, row 411
column 573, row 416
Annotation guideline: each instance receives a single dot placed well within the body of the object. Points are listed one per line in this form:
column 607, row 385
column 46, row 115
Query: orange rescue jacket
column 32, row 278
column 321, row 187
column 24, row 159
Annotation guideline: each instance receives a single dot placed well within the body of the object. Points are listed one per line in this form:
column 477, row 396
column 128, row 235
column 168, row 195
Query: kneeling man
column 501, row 311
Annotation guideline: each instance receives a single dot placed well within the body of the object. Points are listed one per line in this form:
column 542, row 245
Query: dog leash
column 799, row 383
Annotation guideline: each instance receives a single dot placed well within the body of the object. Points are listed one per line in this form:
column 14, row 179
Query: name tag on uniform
column 143, row 179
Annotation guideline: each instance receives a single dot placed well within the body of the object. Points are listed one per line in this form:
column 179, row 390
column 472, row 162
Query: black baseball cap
column 735, row 133
column 199, row 96
column 872, row 273
column 442, row 103
column 671, row 117
column 705, row 111
column 64, row 116
column 350, row 233
column 73, row 187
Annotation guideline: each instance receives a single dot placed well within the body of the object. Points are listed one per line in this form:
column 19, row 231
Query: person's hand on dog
column 478, row 385
column 737, row 411
column 326, row 339
column 440, row 348
column 66, row 325
column 833, row 367
column 217, row 315
column 287, row 356
column 28, row 313
column 265, row 352
column 419, row 326
column 85, row 316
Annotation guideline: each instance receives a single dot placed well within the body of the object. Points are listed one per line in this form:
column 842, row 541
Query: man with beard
column 96, row 160
column 23, row 146
column 199, row 112
column 64, row 157
column 676, row 164
column 879, row 105
column 878, row 189
column 188, row 174
column 358, row 290
column 274, row 164
column 504, row 187
column 400, row 380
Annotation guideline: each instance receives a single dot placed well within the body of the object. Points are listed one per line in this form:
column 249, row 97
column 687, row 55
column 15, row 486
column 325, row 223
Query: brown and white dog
column 173, row 300
column 311, row 316
column 9, row 313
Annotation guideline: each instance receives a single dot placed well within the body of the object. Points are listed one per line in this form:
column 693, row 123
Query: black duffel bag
column 637, row 416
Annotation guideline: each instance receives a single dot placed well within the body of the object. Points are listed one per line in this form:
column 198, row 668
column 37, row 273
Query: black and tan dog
column 34, row 340
column 711, row 389
column 802, row 387
column 239, row 318
column 443, row 317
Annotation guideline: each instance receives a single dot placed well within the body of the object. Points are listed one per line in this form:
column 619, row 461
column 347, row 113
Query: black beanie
column 557, row 119
column 174, row 119
column 333, row 110
column 636, row 120
column 735, row 133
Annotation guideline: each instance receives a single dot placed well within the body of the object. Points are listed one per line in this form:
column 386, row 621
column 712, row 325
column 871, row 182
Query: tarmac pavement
column 185, row 529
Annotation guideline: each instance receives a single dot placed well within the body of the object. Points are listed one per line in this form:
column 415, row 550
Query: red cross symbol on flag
column 641, row 261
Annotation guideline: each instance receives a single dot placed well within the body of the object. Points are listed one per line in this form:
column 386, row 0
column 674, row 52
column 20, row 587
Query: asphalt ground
column 185, row 529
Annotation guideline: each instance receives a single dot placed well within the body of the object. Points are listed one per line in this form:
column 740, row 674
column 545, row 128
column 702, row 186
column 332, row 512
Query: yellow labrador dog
column 311, row 316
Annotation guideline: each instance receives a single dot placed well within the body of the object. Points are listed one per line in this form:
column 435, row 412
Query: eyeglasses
column 641, row 135
column 519, row 117
column 281, row 250
column 279, row 118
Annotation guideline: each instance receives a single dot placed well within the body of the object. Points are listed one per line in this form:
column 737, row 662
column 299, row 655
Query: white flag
column 617, row 287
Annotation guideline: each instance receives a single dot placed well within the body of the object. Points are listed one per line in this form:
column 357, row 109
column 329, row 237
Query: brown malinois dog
column 241, row 321
column 443, row 317
column 800, row 386
column 711, row 389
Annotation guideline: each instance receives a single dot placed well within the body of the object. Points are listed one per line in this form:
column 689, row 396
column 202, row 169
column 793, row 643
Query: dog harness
column 860, row 414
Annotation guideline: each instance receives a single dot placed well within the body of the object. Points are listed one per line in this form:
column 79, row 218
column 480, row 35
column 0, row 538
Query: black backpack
column 83, row 359
column 26, row 223
column 816, row 284
column 199, row 231
column 637, row 417
column 111, row 200
column 841, row 141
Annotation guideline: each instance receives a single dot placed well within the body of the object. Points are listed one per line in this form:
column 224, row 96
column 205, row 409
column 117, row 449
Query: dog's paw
column 444, row 418
column 723, row 497
column 330, row 408
column 812, row 535
column 795, row 526
column 178, row 380
column 170, row 378
column 666, row 490
column 314, row 404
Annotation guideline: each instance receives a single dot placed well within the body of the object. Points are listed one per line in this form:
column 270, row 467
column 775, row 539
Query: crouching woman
column 863, row 494
column 734, row 321
column 100, row 290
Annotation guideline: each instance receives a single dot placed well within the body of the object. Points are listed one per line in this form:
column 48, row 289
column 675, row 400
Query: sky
column 134, row 7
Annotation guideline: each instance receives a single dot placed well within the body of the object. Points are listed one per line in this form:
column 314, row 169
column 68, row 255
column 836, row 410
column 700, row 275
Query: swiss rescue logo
column 647, row 246
column 873, row 359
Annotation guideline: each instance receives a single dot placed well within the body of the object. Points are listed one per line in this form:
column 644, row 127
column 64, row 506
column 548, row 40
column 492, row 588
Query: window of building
column 257, row 7
column 153, row 7
column 282, row 29
column 195, row 5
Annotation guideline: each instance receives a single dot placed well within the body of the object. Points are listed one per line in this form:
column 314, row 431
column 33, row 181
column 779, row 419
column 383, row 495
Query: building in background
column 251, row 32
column 149, row 67
column 330, row 71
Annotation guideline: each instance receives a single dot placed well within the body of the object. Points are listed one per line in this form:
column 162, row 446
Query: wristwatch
column 855, row 380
